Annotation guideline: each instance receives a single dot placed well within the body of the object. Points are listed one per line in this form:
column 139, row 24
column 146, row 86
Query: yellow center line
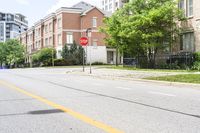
column 69, row 111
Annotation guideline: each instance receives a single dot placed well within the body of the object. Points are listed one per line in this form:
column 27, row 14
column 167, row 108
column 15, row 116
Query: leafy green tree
column 45, row 56
column 14, row 52
column 144, row 27
column 2, row 54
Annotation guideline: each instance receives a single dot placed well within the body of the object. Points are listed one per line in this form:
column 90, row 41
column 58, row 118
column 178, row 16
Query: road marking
column 124, row 88
column 69, row 111
column 164, row 94
column 97, row 84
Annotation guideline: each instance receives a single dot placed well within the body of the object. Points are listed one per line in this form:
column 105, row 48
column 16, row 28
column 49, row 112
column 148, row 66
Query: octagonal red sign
column 84, row 41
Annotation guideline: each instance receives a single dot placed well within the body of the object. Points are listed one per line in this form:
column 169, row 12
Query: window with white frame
column 110, row 6
column 39, row 32
column 59, row 23
column 94, row 22
column 187, row 42
column 39, row 45
column 50, row 27
column 46, row 28
column 95, row 43
column 181, row 4
column 189, row 8
column 59, row 40
column 70, row 38
column 46, row 42
column 50, row 41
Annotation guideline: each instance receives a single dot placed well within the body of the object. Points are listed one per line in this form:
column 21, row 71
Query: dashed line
column 164, row 94
column 124, row 88
column 97, row 84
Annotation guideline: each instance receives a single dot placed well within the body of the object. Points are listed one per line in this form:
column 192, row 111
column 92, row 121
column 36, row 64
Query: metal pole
column 52, row 58
column 90, row 44
column 83, row 60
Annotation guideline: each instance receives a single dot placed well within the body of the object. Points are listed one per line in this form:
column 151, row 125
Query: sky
column 35, row 10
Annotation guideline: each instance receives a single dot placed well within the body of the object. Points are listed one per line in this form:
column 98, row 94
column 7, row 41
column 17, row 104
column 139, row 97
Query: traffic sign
column 84, row 41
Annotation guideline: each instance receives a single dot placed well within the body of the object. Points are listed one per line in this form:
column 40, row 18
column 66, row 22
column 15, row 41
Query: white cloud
column 23, row 2
column 69, row 3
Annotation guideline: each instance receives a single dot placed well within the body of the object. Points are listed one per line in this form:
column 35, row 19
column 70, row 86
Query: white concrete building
column 112, row 5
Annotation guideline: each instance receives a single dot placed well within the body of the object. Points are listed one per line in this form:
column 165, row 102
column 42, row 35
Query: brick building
column 190, row 29
column 66, row 25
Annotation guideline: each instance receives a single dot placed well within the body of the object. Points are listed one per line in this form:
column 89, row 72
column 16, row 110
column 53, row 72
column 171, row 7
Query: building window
column 46, row 28
column 59, row 23
column 189, row 9
column 39, row 32
column 181, row 4
column 95, row 43
column 39, row 45
column 110, row 6
column 94, row 22
column 59, row 40
column 50, row 27
column 50, row 41
column 69, row 38
column 46, row 42
column 116, row 4
column 187, row 42
column 106, row 8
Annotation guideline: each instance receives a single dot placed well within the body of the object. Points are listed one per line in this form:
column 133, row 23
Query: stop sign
column 84, row 41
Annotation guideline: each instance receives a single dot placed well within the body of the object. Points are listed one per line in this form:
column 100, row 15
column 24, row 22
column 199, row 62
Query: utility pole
column 89, row 35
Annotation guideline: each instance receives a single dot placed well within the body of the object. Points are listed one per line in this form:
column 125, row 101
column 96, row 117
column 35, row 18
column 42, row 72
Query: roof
column 83, row 5
column 90, row 9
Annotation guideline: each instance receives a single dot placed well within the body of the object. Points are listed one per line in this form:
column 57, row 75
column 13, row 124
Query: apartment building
column 11, row 25
column 66, row 25
column 190, row 29
column 113, row 5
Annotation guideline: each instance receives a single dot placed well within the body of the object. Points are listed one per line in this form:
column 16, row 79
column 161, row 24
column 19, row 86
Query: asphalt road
column 52, row 101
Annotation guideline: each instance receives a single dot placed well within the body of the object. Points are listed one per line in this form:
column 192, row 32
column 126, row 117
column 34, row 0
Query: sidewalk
column 135, row 75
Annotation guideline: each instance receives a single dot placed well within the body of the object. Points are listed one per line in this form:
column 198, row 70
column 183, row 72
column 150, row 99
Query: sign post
column 84, row 42
column 89, row 35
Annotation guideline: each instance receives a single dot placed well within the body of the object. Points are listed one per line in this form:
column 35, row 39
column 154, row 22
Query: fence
column 182, row 60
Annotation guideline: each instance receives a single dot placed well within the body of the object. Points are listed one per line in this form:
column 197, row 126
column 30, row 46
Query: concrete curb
column 175, row 84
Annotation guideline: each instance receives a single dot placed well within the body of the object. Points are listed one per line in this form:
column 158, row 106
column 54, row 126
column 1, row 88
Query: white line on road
column 123, row 88
column 97, row 84
column 164, row 94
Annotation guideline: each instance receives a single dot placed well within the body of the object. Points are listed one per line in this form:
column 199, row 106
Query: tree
column 143, row 27
column 65, row 52
column 46, row 55
column 2, row 54
column 73, row 55
column 14, row 52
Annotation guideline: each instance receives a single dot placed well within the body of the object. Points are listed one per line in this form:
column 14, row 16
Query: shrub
column 98, row 63
column 197, row 57
column 62, row 62
column 196, row 66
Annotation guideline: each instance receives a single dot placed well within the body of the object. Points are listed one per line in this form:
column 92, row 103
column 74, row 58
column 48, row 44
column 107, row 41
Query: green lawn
column 150, row 70
column 186, row 78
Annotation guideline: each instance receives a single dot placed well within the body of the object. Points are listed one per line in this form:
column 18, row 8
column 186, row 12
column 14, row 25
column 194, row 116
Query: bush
column 196, row 66
column 43, row 57
column 197, row 57
column 62, row 62
column 98, row 63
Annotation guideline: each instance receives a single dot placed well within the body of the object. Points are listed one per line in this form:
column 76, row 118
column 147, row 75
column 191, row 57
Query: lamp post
column 52, row 57
column 89, row 35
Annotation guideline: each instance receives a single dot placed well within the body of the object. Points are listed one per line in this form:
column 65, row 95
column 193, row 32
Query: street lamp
column 89, row 35
column 52, row 57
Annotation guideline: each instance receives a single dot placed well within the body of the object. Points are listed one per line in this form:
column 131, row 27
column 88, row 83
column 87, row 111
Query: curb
column 175, row 84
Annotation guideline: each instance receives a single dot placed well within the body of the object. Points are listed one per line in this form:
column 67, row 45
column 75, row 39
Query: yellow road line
column 77, row 115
